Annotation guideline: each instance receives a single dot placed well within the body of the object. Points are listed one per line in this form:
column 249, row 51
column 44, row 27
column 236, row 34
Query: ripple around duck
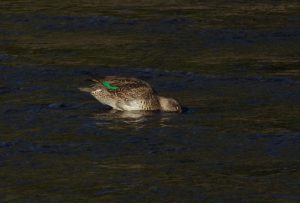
column 41, row 89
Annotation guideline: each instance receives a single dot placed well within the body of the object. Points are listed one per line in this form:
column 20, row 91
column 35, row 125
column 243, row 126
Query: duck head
column 169, row 105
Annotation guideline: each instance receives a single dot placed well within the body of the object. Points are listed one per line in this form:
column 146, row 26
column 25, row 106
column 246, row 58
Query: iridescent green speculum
column 109, row 86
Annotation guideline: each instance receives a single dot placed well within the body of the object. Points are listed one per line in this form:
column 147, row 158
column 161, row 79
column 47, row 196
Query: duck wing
column 127, row 88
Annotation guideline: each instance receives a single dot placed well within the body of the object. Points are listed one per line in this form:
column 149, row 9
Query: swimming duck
column 130, row 94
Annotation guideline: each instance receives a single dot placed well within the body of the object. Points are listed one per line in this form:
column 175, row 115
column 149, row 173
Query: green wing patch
column 109, row 86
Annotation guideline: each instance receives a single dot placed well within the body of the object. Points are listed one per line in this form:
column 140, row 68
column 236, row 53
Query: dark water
column 234, row 65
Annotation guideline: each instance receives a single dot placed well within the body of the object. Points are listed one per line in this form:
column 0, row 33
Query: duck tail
column 85, row 89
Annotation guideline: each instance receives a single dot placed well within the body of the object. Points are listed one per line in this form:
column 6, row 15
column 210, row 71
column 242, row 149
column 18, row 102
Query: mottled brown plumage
column 131, row 94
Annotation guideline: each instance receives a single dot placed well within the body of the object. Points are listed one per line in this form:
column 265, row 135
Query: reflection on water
column 235, row 65
column 114, row 119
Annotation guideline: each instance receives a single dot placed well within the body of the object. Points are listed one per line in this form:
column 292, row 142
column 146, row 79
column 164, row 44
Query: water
column 234, row 66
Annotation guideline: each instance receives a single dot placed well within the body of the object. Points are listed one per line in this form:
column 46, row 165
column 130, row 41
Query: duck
column 130, row 94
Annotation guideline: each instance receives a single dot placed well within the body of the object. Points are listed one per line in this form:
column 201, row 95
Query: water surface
column 235, row 66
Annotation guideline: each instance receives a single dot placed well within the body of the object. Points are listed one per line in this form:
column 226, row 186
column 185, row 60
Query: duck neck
column 163, row 101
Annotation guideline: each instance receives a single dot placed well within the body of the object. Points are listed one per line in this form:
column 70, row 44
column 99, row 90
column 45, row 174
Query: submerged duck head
column 169, row 104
